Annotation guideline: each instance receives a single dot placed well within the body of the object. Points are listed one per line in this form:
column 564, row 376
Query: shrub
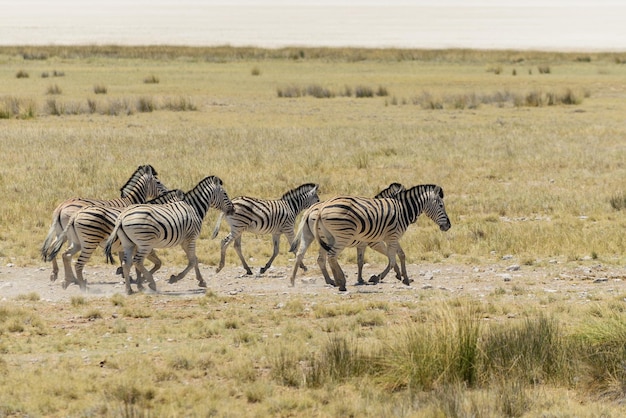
column 56, row 73
column 544, row 69
column 146, row 104
column 363, row 91
column 21, row 74
column 382, row 91
column 256, row 71
column 319, row 92
column 180, row 104
column 100, row 89
column 151, row 80
column 290, row 91
column 618, row 202
column 45, row 74
column 53, row 89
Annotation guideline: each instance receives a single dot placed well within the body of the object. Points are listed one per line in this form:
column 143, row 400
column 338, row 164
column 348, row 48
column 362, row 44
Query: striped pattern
column 90, row 227
column 143, row 185
column 275, row 217
column 306, row 235
column 347, row 220
column 141, row 228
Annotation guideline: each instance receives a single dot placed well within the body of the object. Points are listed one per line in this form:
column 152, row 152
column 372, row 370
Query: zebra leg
column 156, row 260
column 276, row 244
column 121, row 257
column 67, row 265
column 192, row 262
column 391, row 256
column 291, row 238
column 382, row 248
column 340, row 277
column 237, row 246
column 305, row 242
column 360, row 260
column 402, row 258
column 321, row 262
column 85, row 255
column 55, row 270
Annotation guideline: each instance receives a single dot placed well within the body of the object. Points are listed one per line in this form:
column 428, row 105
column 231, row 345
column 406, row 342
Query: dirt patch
column 581, row 281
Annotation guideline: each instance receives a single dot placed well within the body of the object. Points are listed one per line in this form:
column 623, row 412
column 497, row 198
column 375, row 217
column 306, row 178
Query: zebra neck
column 412, row 208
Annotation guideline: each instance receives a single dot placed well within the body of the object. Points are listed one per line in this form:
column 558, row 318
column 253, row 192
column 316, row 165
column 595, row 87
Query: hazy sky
column 545, row 24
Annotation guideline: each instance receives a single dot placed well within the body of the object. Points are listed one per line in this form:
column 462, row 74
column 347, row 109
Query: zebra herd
column 147, row 216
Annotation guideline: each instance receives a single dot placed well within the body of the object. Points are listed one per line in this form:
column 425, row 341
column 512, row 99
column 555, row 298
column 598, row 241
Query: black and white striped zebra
column 305, row 235
column 90, row 227
column 343, row 221
column 143, row 185
column 260, row 216
column 141, row 228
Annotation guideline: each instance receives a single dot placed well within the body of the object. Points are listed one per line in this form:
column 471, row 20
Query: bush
column 100, row 89
column 151, row 80
column 21, row 74
column 53, row 89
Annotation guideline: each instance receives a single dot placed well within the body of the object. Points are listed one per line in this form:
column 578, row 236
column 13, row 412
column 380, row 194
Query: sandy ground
column 580, row 280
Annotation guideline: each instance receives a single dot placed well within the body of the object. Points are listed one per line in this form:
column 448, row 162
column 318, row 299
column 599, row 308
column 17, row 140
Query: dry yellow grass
column 533, row 182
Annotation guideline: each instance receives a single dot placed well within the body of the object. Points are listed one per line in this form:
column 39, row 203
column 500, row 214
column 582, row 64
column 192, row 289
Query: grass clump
column 54, row 89
column 618, row 201
column 100, row 89
column 152, row 79
column 21, row 74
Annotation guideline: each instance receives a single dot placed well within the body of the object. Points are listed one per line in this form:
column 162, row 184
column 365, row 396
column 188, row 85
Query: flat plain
column 529, row 148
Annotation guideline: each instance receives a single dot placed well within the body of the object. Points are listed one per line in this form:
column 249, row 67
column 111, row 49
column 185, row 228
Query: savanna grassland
column 529, row 147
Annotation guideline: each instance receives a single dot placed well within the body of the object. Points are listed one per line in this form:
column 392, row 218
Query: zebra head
column 434, row 207
column 210, row 193
column 143, row 185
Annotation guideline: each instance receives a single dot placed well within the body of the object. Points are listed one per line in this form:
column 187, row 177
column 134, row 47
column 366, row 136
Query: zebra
column 141, row 228
column 143, row 185
column 345, row 220
column 305, row 235
column 260, row 216
column 89, row 227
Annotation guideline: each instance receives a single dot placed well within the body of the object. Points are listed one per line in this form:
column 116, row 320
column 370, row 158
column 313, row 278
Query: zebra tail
column 51, row 237
column 108, row 244
column 319, row 225
column 296, row 241
column 54, row 249
column 216, row 230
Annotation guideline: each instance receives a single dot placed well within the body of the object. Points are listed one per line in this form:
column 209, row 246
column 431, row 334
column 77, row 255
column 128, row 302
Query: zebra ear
column 440, row 191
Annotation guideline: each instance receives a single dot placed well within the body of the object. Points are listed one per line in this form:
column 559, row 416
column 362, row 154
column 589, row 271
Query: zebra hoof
column 249, row 272
column 263, row 270
column 53, row 277
column 407, row 282
column 152, row 287
column 374, row 280
column 172, row 279
column 119, row 271
column 360, row 283
column 202, row 284
column 65, row 285
column 343, row 289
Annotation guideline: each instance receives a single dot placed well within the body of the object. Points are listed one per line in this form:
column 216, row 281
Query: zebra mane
column 207, row 180
column 299, row 191
column 424, row 187
column 391, row 191
column 141, row 170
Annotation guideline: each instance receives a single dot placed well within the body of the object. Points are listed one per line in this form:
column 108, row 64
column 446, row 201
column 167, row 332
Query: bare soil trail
column 580, row 281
